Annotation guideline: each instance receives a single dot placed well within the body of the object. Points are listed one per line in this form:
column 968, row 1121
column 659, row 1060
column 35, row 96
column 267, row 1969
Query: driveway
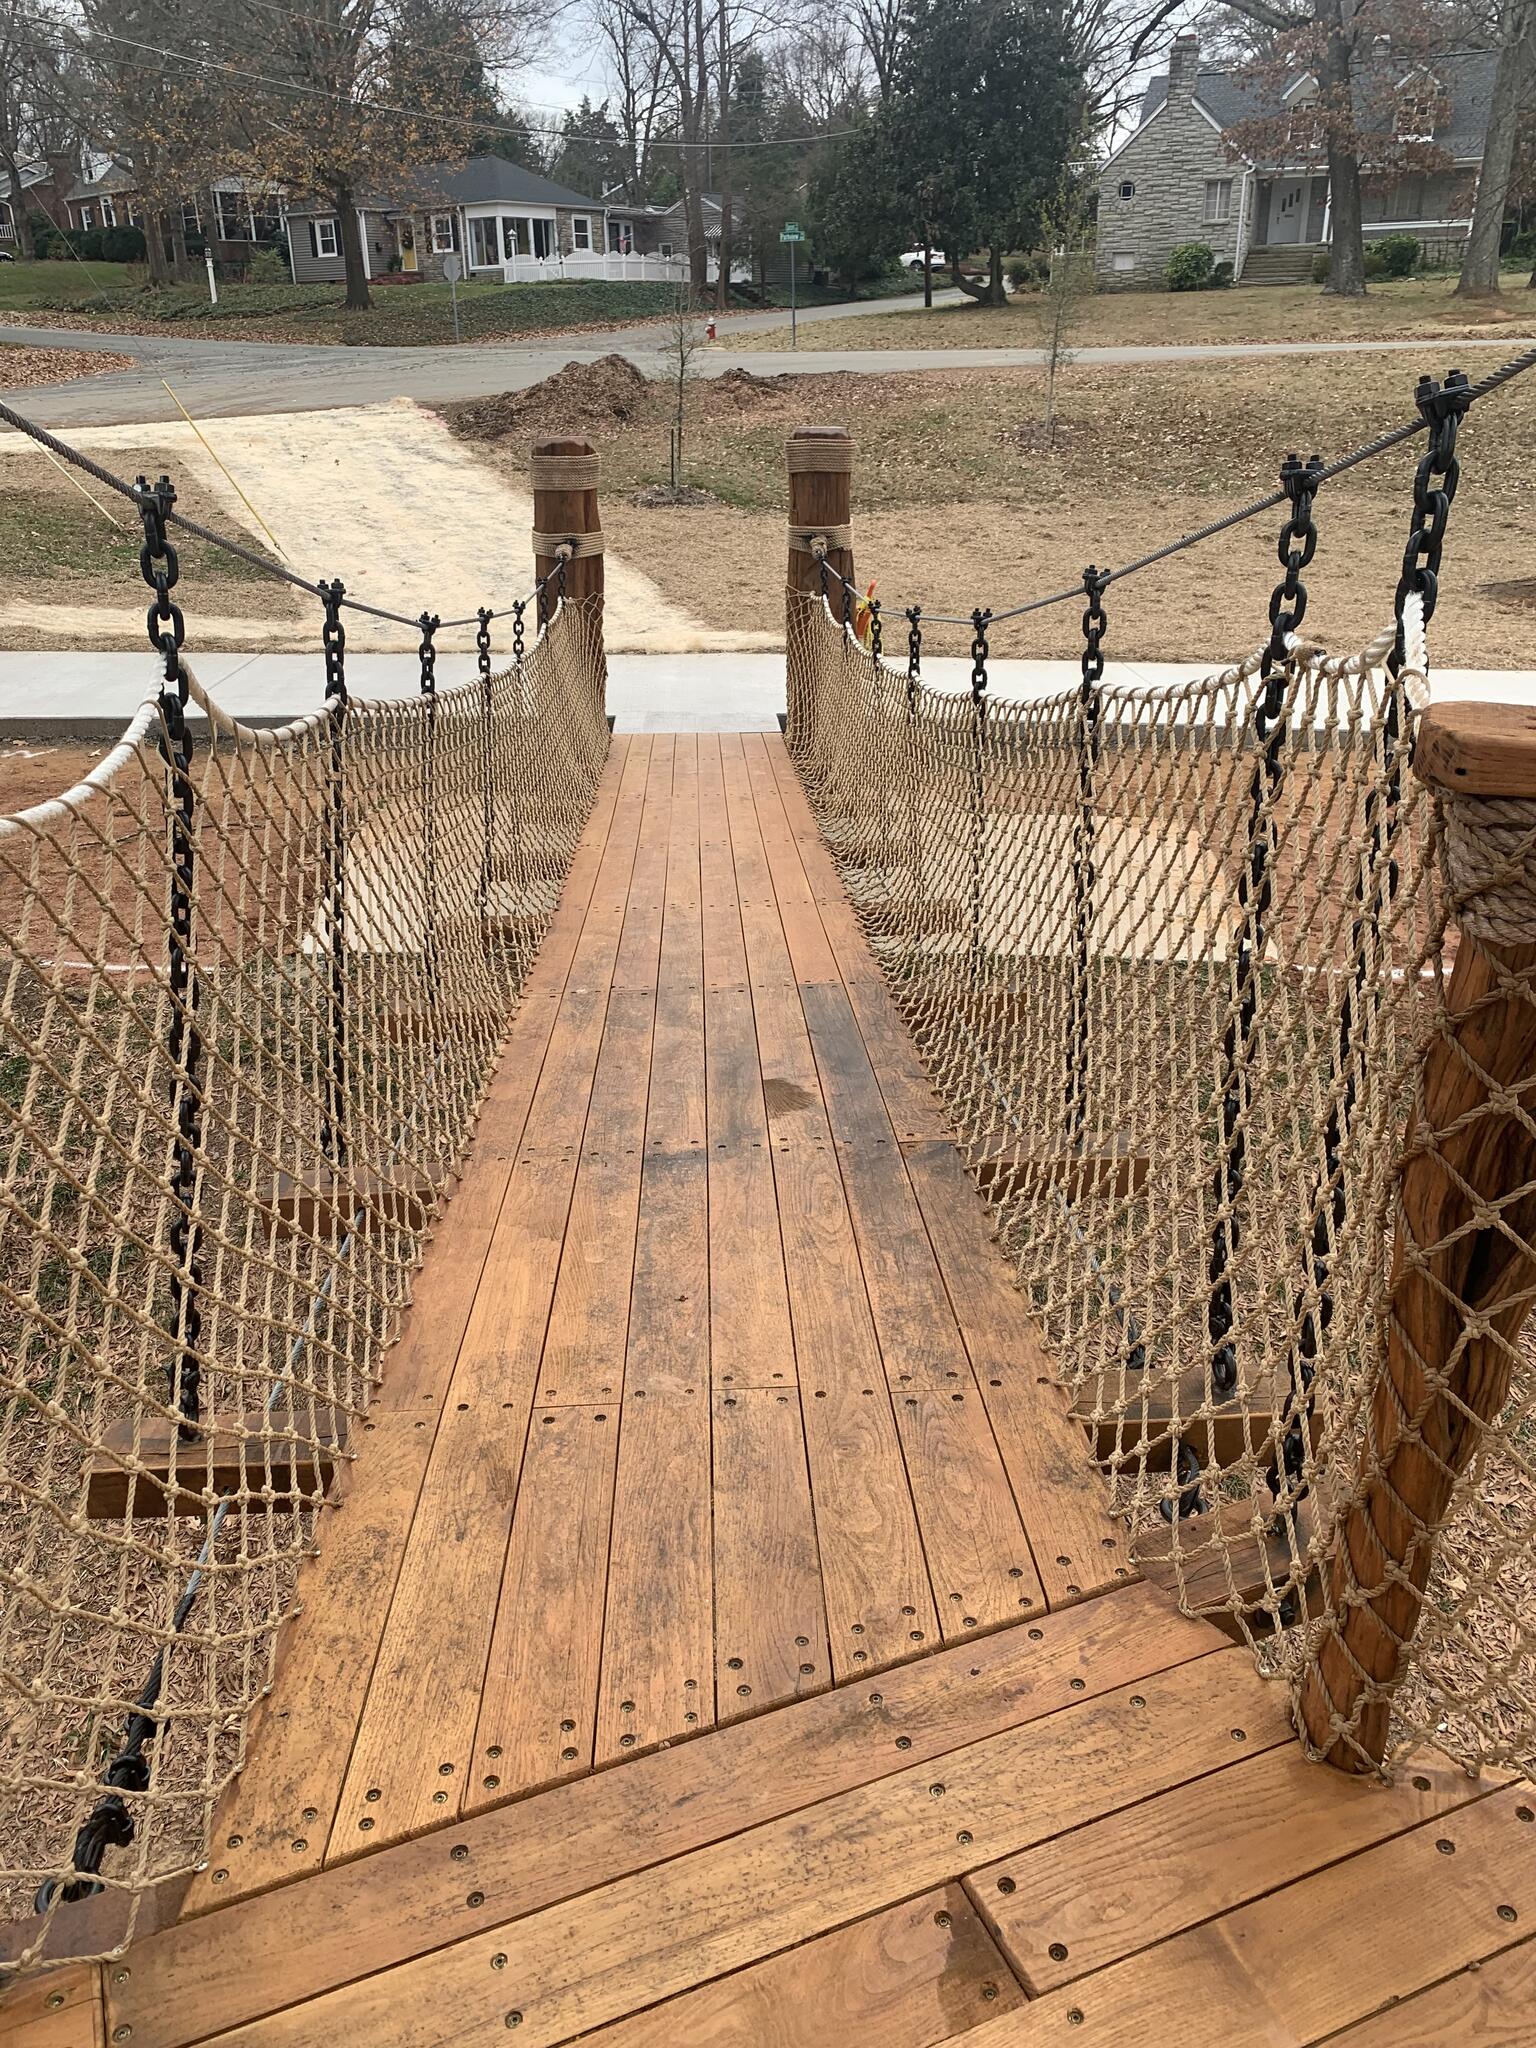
column 217, row 379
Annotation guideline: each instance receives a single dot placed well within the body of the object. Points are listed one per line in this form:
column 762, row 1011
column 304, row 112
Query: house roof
column 486, row 178
column 1466, row 77
column 113, row 179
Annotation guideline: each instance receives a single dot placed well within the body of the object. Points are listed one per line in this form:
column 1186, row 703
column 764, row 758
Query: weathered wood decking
column 721, row 1638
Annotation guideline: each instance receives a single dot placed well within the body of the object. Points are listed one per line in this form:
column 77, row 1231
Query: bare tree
column 34, row 118
column 643, row 103
column 685, row 337
column 1068, row 283
column 368, row 92
column 1513, row 88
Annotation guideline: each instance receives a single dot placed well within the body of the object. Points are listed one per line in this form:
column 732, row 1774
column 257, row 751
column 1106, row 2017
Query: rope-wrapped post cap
column 550, row 471
column 1478, row 749
column 819, row 451
column 1481, row 760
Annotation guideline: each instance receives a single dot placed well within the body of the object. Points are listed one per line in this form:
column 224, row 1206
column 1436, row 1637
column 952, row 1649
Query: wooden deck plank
column 668, row 1343
column 641, row 1939
column 978, row 1554
column 919, row 1973
column 1078, row 1546
column 583, row 1360
column 658, row 1630
column 768, row 958
column 644, row 908
column 424, row 1697
column 812, row 955
column 914, row 1109
column 327, row 1651
column 1133, row 1879
column 1310, row 1959
column 879, row 1601
column 538, row 1703
column 62, row 2009
column 725, row 951
column 1491, row 2006
column 196, row 1980
column 770, row 1617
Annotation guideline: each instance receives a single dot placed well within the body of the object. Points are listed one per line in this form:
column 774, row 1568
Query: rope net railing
column 253, row 987
column 1234, row 1015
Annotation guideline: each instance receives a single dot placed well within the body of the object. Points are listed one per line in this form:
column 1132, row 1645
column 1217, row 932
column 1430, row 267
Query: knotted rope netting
column 1181, row 964
column 253, row 985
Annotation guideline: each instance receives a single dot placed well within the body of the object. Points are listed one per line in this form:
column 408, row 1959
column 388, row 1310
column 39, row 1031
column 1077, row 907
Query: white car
column 912, row 259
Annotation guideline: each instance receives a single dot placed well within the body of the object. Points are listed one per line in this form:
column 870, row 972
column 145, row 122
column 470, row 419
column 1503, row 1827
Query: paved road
column 217, row 378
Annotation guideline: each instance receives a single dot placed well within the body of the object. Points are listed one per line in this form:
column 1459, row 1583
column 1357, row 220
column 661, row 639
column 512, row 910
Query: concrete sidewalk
column 53, row 696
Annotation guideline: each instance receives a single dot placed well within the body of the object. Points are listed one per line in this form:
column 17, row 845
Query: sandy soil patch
column 383, row 496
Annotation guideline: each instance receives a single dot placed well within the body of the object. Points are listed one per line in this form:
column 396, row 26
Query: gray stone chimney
column 1183, row 65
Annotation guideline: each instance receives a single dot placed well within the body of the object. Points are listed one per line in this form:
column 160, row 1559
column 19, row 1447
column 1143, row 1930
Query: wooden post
column 820, row 464
column 820, row 461
column 1463, row 1268
column 565, row 477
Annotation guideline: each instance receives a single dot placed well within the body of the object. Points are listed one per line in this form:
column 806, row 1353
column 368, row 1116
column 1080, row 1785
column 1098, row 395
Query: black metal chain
column 161, row 569
column 979, row 621
column 517, row 630
column 334, row 640
column 1442, row 409
column 875, row 646
column 1287, row 607
column 1090, row 714
column 914, row 650
column 487, row 758
column 429, row 623
column 111, row 1823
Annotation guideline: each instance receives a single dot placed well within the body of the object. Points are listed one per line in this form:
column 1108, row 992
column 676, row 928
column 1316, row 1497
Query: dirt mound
column 581, row 396
column 741, row 391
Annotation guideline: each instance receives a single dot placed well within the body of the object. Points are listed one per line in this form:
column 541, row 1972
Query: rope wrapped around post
column 819, row 463
column 1464, row 1256
column 567, row 528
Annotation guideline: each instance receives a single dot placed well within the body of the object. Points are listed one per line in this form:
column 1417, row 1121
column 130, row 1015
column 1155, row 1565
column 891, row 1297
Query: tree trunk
column 966, row 284
column 156, row 233
column 996, row 296
column 927, row 275
column 354, row 268
column 723, row 281
column 1346, row 272
column 181, row 259
column 1517, row 59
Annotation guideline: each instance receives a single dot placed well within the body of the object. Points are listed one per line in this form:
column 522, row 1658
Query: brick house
column 1180, row 177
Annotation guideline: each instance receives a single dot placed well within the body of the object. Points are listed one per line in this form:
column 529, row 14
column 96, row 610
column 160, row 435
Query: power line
column 317, row 92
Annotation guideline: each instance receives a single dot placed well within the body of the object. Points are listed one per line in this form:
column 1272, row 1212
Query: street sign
column 792, row 232
column 453, row 266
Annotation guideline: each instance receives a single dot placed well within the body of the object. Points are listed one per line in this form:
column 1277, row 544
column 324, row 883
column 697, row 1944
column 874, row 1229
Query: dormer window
column 1420, row 108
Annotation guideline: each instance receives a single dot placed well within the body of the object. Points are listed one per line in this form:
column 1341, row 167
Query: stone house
column 1182, row 177
column 506, row 224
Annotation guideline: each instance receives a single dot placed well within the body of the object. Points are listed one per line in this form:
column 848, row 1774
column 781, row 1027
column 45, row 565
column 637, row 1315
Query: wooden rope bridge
column 722, row 1636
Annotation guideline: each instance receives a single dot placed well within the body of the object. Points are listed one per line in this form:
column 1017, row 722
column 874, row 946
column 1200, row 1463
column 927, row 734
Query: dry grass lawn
column 955, row 505
column 1414, row 309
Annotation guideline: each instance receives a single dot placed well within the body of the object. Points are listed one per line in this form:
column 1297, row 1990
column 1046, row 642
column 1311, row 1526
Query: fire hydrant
column 709, row 330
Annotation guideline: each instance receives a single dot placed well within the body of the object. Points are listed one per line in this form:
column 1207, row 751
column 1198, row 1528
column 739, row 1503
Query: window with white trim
column 442, row 234
column 1218, row 201
column 87, row 217
column 232, row 217
column 1128, row 189
column 1122, row 261
column 581, row 231
column 327, row 237
column 108, row 212
column 665, row 249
